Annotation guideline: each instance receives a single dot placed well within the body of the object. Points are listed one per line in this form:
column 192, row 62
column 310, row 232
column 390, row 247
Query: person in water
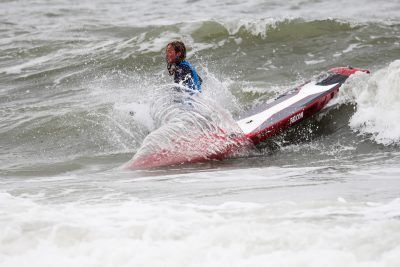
column 184, row 73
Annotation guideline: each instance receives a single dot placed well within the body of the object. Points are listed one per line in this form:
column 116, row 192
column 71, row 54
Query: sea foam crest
column 378, row 104
column 258, row 27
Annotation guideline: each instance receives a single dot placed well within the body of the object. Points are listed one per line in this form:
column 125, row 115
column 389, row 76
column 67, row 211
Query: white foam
column 350, row 48
column 158, row 43
column 133, row 233
column 16, row 69
column 313, row 62
column 378, row 103
column 257, row 27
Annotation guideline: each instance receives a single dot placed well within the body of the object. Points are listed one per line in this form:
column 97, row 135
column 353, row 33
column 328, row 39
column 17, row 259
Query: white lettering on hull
column 296, row 117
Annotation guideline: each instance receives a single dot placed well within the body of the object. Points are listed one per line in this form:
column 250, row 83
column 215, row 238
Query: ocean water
column 84, row 86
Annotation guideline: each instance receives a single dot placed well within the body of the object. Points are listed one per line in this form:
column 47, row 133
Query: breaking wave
column 377, row 99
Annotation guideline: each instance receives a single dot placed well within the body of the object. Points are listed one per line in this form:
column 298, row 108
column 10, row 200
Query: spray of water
column 189, row 128
column 377, row 99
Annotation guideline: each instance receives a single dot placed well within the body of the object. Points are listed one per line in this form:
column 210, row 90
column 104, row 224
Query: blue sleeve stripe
column 195, row 76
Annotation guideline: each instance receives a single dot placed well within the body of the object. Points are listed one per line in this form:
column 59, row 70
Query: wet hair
column 179, row 47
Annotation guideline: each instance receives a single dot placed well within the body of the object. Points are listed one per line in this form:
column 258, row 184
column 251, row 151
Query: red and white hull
column 294, row 106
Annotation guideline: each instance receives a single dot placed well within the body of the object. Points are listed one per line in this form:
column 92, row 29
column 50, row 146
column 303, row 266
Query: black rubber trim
column 333, row 78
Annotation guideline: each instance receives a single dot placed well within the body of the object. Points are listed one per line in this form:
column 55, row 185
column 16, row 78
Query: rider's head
column 175, row 52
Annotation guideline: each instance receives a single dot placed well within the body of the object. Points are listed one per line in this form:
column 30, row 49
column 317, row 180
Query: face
column 171, row 55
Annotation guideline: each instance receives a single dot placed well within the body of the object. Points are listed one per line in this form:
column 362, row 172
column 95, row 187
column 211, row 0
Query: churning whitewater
column 84, row 90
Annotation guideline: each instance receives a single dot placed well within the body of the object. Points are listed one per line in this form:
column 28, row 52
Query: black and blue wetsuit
column 185, row 74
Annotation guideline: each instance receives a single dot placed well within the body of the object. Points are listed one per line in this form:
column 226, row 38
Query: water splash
column 378, row 104
column 189, row 129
